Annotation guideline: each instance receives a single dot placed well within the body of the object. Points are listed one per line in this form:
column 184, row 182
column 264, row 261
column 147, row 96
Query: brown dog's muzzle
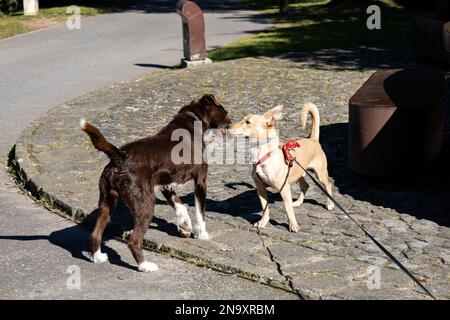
column 223, row 130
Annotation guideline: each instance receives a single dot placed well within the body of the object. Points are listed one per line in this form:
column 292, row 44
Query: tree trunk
column 284, row 6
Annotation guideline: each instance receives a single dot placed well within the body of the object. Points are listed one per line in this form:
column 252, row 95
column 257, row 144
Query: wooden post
column 193, row 23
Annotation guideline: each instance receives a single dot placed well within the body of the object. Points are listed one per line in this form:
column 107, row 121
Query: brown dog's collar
column 193, row 116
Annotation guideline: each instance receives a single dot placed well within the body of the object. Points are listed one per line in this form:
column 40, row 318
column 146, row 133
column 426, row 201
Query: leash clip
column 286, row 148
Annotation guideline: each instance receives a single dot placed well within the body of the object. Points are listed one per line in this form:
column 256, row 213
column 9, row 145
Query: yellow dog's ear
column 273, row 115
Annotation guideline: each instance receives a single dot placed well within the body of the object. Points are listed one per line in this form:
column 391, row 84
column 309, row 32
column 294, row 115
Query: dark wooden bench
column 396, row 122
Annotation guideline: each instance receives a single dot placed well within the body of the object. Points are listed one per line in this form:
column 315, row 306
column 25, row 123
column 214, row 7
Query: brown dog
column 271, row 169
column 137, row 167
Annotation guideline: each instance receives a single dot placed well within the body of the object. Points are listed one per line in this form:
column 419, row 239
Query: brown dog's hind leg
column 107, row 204
column 104, row 216
column 303, row 188
column 137, row 237
column 184, row 224
column 141, row 202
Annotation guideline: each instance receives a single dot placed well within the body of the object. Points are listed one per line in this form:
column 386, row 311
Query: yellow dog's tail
column 311, row 108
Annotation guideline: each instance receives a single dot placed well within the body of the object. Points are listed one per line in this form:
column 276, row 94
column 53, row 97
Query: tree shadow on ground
column 148, row 6
column 323, row 27
column 166, row 6
column 361, row 58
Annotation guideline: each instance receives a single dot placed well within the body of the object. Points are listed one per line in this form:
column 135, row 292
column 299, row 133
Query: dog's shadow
column 75, row 240
column 122, row 220
column 244, row 205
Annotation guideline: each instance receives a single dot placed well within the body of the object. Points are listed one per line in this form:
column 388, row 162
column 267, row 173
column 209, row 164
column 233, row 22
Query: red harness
column 264, row 158
column 286, row 147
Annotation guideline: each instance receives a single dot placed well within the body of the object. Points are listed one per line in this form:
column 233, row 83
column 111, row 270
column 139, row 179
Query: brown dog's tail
column 311, row 108
column 100, row 143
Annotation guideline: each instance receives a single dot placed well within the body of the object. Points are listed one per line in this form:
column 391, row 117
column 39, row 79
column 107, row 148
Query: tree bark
column 284, row 6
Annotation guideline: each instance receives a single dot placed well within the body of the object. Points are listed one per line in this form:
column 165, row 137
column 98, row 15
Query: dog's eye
column 247, row 121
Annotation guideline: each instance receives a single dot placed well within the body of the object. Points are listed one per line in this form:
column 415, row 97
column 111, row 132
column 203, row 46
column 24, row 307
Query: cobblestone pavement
column 329, row 258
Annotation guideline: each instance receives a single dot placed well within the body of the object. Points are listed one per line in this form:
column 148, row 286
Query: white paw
column 183, row 232
column 99, row 257
column 294, row 227
column 147, row 266
column 296, row 204
column 184, row 223
column 200, row 233
column 260, row 224
column 203, row 235
column 330, row 206
column 182, row 213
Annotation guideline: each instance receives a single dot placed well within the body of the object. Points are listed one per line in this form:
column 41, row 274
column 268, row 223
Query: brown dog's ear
column 274, row 114
column 209, row 99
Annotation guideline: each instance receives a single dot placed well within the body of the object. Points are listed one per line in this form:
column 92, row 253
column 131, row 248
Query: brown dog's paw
column 184, row 230
column 294, row 228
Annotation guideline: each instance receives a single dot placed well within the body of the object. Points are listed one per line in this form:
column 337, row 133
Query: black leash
column 379, row 245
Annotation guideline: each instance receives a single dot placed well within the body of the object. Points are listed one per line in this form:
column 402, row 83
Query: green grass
column 319, row 24
column 16, row 23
